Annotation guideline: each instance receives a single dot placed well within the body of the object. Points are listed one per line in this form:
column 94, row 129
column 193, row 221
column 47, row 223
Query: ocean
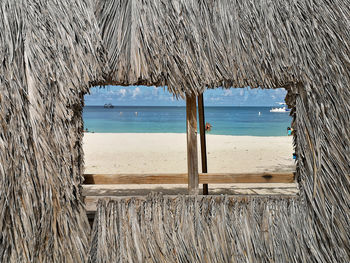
column 149, row 119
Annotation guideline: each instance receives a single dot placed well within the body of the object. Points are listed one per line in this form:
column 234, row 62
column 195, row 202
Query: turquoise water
column 225, row 120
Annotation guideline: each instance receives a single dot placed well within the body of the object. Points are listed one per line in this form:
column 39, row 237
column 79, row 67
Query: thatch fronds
column 323, row 167
column 301, row 45
column 49, row 51
column 17, row 214
column 201, row 229
column 191, row 45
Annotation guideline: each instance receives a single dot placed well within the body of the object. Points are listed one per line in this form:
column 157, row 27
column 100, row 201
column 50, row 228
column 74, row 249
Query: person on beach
column 289, row 131
column 208, row 127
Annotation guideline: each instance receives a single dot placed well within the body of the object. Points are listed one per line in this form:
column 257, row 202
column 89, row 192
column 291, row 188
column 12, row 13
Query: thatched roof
column 51, row 51
column 191, row 45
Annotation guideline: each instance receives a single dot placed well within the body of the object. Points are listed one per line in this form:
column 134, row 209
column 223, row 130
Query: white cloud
column 158, row 96
column 280, row 91
column 122, row 92
column 227, row 92
column 155, row 91
column 136, row 92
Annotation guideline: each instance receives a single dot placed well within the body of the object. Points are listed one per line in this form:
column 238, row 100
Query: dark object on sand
column 208, row 127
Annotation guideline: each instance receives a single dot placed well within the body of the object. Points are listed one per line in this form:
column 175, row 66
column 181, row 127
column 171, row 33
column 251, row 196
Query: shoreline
column 184, row 133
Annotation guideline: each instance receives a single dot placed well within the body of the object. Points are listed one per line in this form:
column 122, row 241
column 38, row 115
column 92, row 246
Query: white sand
column 166, row 153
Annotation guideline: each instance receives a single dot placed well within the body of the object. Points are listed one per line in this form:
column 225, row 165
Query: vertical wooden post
column 192, row 157
column 202, row 137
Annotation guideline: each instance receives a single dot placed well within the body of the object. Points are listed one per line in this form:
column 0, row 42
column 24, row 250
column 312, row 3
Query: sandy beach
column 166, row 153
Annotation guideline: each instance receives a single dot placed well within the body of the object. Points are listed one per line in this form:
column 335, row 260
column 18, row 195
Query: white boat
column 280, row 109
column 283, row 109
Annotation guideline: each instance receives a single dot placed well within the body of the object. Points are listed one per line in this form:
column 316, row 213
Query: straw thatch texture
column 200, row 229
column 190, row 45
column 300, row 45
column 49, row 52
column 323, row 168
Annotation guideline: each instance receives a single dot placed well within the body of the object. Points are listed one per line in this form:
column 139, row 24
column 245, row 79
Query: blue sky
column 158, row 96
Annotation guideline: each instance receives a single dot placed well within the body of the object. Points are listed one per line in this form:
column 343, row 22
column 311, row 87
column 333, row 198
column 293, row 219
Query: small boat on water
column 280, row 109
column 108, row 106
column 283, row 109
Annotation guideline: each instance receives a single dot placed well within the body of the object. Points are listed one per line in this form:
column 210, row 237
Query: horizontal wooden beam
column 135, row 178
column 236, row 178
column 182, row 178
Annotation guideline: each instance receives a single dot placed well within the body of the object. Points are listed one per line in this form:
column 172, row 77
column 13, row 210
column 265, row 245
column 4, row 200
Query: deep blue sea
column 146, row 119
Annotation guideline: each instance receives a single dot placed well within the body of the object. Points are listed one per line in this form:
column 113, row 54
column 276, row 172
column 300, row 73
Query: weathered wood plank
column 181, row 178
column 233, row 178
column 192, row 157
column 203, row 140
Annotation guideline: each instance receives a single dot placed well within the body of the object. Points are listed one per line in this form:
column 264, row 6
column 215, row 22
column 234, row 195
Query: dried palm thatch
column 192, row 45
column 200, row 229
column 50, row 51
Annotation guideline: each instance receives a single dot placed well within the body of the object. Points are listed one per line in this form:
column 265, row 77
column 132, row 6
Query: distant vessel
column 283, row 109
column 108, row 106
column 280, row 109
